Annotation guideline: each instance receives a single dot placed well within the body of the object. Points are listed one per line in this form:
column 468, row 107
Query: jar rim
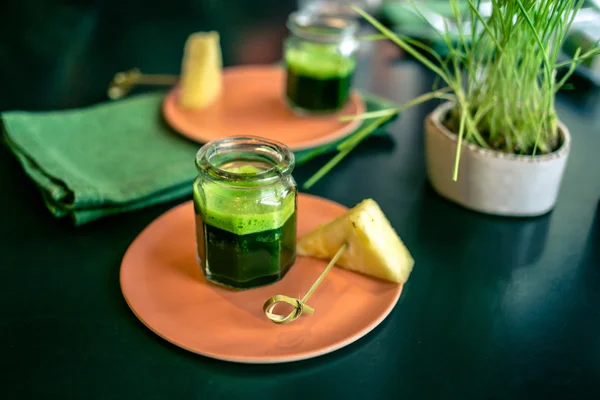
column 321, row 27
column 279, row 155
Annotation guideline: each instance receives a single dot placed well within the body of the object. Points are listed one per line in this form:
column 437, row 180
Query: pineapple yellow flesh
column 374, row 247
column 201, row 71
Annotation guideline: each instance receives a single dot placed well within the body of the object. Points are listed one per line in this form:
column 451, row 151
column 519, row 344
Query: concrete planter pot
column 490, row 181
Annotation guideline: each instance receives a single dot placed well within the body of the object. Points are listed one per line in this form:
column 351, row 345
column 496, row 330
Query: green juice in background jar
column 320, row 62
column 245, row 205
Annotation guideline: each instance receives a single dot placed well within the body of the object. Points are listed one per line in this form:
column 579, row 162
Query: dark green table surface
column 495, row 307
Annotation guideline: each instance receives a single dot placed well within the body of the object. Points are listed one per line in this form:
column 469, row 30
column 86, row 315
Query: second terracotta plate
column 164, row 287
column 252, row 104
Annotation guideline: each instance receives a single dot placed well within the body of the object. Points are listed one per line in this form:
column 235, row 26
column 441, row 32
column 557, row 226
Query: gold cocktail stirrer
column 123, row 82
column 300, row 306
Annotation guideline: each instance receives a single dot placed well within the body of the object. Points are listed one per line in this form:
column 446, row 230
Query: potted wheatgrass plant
column 496, row 145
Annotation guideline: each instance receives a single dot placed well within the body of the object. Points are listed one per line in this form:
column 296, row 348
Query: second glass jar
column 320, row 59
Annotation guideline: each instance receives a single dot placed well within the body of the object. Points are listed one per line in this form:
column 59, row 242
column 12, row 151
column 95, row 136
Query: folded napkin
column 111, row 158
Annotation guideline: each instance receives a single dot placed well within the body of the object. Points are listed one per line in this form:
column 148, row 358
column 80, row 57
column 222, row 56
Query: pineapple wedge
column 374, row 248
column 201, row 71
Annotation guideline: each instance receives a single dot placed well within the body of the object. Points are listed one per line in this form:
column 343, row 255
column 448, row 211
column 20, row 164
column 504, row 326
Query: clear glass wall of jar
column 245, row 206
column 320, row 59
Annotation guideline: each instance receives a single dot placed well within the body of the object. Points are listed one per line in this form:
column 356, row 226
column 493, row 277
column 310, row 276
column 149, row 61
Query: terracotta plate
column 166, row 290
column 252, row 104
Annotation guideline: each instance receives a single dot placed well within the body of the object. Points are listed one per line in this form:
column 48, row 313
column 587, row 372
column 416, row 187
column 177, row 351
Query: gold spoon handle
column 123, row 82
column 299, row 305
column 157, row 79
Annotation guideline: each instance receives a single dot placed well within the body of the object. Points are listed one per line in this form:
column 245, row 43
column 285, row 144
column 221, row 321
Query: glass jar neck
column 245, row 162
column 322, row 28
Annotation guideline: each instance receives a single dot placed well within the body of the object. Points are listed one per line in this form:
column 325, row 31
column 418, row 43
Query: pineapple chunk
column 374, row 248
column 201, row 71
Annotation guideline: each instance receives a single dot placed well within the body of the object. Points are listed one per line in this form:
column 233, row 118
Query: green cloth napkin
column 112, row 157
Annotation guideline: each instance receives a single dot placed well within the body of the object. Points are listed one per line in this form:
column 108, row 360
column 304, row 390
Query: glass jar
column 245, row 207
column 339, row 7
column 320, row 59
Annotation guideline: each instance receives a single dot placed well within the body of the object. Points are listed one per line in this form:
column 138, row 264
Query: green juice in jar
column 318, row 78
column 241, row 242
